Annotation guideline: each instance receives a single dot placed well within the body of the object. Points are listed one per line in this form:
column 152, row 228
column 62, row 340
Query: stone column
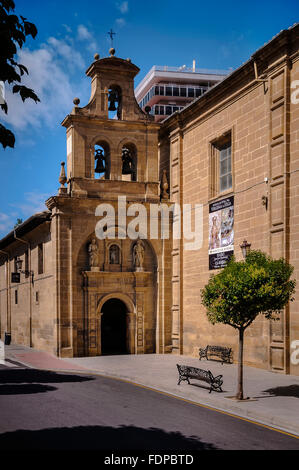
column 99, row 333
column 131, row 332
column 139, row 276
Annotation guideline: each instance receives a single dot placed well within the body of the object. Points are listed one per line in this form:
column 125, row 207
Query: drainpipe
column 30, row 285
column 8, row 315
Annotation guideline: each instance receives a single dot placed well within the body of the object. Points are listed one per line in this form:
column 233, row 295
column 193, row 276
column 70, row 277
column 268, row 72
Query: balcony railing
column 183, row 68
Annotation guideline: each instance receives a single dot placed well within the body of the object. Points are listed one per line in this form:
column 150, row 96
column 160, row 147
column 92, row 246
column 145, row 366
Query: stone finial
column 96, row 56
column 62, row 180
column 112, row 51
column 164, row 185
column 128, row 59
column 76, row 101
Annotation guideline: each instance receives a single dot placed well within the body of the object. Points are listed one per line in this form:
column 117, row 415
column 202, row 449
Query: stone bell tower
column 112, row 88
column 114, row 292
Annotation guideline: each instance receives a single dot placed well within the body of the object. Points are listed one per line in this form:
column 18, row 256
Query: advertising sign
column 221, row 232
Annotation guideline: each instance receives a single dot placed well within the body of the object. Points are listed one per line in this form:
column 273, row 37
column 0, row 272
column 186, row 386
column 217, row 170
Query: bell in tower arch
column 114, row 100
column 100, row 161
column 127, row 162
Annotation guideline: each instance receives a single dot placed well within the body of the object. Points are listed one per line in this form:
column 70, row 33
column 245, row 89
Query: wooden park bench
column 189, row 372
column 220, row 351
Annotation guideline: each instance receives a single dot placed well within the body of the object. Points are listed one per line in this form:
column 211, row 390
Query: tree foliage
column 13, row 32
column 19, row 222
column 244, row 289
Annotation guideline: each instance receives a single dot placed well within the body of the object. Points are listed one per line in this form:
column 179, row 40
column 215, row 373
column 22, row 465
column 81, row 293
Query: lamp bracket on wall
column 265, row 80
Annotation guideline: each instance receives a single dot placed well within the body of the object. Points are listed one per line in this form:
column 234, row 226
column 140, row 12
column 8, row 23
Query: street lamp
column 245, row 247
column 19, row 264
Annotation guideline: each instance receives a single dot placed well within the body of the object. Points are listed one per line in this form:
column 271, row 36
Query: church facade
column 89, row 288
column 92, row 296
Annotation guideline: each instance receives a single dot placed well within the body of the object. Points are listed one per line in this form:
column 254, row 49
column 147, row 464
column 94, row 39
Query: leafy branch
column 13, row 33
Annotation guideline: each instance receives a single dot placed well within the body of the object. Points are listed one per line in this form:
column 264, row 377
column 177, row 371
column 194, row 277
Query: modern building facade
column 168, row 89
column 234, row 151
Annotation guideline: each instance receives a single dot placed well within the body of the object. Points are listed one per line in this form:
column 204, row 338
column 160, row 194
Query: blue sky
column 218, row 35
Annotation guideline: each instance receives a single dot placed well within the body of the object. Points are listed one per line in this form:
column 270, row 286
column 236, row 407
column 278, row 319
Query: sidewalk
column 274, row 398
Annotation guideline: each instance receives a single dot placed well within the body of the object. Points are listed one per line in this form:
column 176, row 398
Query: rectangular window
column 161, row 90
column 183, row 91
column 221, row 178
column 168, row 110
column 190, row 92
column 26, row 261
column 168, row 91
column 176, row 91
column 16, row 297
column 40, row 255
column 198, row 92
column 36, row 297
column 225, row 168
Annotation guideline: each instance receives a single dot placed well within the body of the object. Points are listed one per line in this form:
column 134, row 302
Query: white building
column 169, row 89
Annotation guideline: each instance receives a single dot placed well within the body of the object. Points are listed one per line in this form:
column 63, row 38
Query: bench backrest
column 195, row 372
column 218, row 348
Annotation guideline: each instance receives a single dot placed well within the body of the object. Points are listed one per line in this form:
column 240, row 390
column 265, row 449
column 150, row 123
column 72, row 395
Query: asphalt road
column 49, row 410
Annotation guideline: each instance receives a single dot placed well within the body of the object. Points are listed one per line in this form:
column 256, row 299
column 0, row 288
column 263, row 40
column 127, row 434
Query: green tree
column 13, row 32
column 243, row 290
column 19, row 222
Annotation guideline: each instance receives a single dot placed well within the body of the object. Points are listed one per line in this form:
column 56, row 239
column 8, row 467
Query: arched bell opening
column 114, row 102
column 129, row 162
column 102, row 160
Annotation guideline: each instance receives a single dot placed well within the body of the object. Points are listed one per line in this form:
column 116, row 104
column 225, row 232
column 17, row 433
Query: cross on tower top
column 111, row 33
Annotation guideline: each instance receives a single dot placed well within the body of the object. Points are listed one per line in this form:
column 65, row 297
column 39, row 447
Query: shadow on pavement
column 101, row 438
column 17, row 376
column 24, row 389
column 288, row 391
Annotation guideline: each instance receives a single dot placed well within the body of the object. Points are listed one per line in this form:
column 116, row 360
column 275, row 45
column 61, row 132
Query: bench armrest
column 218, row 377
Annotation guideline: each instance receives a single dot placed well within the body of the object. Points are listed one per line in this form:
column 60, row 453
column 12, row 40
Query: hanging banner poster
column 221, row 232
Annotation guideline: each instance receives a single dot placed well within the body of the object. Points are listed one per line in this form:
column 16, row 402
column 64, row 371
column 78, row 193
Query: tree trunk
column 240, row 365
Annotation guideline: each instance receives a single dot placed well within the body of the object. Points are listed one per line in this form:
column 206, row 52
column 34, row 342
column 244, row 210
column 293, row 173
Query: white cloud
column 120, row 21
column 67, row 27
column 33, row 202
column 123, row 7
column 52, row 71
column 83, row 33
column 6, row 223
column 66, row 51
